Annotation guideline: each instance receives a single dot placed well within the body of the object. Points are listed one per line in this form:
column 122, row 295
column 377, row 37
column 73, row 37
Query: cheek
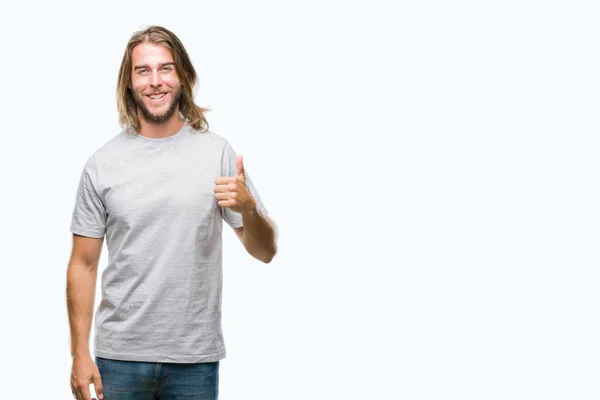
column 172, row 82
column 138, row 85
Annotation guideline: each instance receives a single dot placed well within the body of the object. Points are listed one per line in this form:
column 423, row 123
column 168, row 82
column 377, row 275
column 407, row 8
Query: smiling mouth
column 157, row 96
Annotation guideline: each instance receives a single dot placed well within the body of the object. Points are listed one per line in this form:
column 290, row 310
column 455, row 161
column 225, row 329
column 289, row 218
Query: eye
column 166, row 68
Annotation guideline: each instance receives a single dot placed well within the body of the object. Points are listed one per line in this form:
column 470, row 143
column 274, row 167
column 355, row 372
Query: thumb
column 98, row 385
column 239, row 167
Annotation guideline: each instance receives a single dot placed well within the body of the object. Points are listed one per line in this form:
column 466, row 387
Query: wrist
column 81, row 353
column 252, row 211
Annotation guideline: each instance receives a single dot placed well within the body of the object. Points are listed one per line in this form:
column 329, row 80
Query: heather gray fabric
column 154, row 201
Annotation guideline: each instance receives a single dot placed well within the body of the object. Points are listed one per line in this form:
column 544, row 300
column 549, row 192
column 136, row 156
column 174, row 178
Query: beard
column 157, row 119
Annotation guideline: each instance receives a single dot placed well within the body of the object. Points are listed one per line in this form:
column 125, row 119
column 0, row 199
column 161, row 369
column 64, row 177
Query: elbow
column 268, row 257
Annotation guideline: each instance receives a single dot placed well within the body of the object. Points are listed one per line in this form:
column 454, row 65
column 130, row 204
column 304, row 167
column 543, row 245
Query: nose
column 155, row 80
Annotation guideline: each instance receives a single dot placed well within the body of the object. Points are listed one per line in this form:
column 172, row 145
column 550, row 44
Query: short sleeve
column 228, row 168
column 89, row 213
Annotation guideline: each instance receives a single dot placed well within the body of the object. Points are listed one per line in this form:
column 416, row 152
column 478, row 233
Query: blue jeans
column 133, row 380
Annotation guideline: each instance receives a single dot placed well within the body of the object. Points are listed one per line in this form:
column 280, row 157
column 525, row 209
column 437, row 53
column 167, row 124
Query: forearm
column 260, row 237
column 81, row 288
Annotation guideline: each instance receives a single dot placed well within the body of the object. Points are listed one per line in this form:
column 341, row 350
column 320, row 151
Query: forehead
column 150, row 54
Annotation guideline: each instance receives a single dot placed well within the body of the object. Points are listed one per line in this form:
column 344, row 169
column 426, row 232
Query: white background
column 432, row 167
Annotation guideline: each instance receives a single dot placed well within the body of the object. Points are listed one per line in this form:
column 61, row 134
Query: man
column 159, row 192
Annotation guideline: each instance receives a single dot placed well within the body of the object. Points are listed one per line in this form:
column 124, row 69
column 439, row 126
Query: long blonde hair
column 128, row 109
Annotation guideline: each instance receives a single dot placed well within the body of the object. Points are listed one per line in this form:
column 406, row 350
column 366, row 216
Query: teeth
column 156, row 96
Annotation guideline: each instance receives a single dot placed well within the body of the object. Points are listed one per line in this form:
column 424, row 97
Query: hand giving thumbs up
column 231, row 192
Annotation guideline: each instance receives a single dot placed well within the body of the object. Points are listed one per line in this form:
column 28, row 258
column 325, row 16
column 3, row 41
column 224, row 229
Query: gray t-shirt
column 154, row 201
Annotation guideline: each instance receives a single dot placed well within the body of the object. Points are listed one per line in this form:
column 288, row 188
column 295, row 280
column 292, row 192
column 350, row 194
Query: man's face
column 156, row 87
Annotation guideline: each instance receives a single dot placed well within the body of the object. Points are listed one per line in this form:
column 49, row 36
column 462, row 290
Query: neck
column 169, row 128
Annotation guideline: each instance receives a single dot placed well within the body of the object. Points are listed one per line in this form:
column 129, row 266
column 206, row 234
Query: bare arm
column 258, row 232
column 81, row 288
column 258, row 235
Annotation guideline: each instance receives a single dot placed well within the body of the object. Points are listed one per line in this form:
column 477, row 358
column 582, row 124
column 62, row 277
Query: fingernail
column 100, row 396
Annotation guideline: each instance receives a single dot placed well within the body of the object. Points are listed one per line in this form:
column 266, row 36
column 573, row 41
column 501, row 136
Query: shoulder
column 106, row 152
column 113, row 145
column 210, row 136
column 210, row 140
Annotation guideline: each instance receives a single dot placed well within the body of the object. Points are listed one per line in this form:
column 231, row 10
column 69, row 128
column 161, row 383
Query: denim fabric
column 133, row 380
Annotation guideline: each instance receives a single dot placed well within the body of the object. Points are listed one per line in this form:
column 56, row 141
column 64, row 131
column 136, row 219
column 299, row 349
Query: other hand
column 84, row 372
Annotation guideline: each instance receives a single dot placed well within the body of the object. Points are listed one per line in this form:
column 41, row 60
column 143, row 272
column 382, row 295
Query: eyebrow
column 147, row 66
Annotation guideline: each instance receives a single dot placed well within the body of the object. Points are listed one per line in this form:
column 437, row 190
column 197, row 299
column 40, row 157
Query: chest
column 161, row 188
